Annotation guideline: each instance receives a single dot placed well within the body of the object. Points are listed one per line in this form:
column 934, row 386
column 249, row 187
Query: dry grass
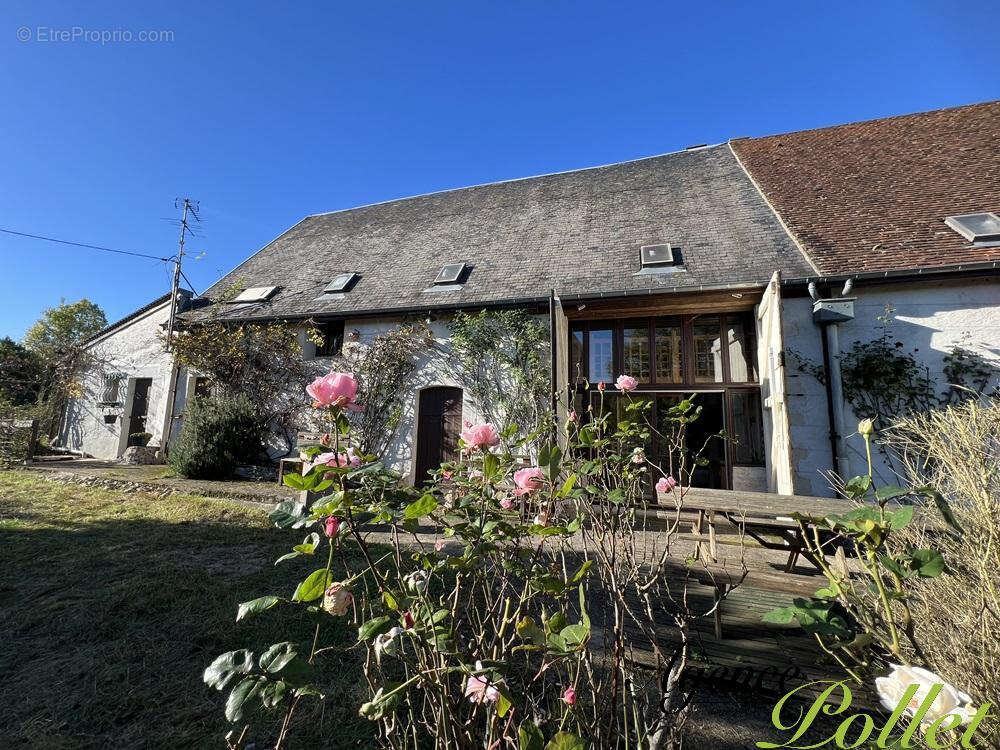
column 111, row 605
column 957, row 450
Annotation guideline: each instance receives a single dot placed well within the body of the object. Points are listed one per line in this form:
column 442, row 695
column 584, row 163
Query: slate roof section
column 578, row 232
column 872, row 196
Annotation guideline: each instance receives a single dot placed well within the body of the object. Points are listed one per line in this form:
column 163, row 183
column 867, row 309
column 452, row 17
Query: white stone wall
column 930, row 317
column 133, row 351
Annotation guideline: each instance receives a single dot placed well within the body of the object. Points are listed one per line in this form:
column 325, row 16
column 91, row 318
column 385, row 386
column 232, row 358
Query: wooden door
column 139, row 410
column 439, row 426
column 771, row 365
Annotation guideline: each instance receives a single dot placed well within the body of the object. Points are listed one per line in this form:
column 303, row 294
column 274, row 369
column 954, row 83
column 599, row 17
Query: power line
column 81, row 244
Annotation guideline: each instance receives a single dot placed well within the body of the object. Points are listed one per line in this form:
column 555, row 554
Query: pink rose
column 481, row 436
column 337, row 599
column 601, row 386
column 338, row 460
column 569, row 696
column 439, row 545
column 407, row 620
column 666, row 484
column 528, row 480
column 331, row 526
column 333, row 389
column 572, row 415
column 478, row 688
column 626, row 383
column 506, row 503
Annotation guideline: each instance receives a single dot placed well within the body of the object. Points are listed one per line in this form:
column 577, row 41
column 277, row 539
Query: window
column 111, row 394
column 981, row 227
column 707, row 349
column 652, row 256
column 669, row 337
column 254, row 294
column 636, row 356
column 333, row 339
column 748, row 431
column 202, row 388
column 601, row 361
column 450, row 274
column 340, row 283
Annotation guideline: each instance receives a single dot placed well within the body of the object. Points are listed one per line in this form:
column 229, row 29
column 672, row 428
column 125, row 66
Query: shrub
column 957, row 450
column 219, row 434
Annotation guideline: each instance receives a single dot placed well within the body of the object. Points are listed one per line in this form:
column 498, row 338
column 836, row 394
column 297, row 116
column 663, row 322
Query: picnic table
column 762, row 516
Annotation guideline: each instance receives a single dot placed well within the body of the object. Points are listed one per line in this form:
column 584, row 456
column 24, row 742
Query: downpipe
column 828, row 314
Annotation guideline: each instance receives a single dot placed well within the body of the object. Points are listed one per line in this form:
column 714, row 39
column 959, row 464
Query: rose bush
column 484, row 637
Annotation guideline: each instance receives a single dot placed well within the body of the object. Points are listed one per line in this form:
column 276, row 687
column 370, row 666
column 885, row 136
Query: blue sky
column 268, row 112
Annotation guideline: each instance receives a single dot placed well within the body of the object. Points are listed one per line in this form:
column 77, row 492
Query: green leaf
column 581, row 571
column 420, row 507
column 575, row 635
column 278, row 656
column 295, row 481
column 244, row 691
column 272, row 693
column 566, row 741
column 227, row 667
column 289, row 514
column 491, row 465
column 556, row 623
column 900, row 518
column 375, row 626
column 780, row 616
column 529, row 631
column 927, row 562
column 504, row 701
column 567, row 486
column 255, row 606
column 889, row 492
column 857, row 487
column 390, row 601
column 529, row 736
column 313, row 587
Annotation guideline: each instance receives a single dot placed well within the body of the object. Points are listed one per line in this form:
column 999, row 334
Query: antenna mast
column 189, row 207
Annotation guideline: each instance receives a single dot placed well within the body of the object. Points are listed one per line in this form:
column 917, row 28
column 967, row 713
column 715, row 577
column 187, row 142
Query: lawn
column 112, row 604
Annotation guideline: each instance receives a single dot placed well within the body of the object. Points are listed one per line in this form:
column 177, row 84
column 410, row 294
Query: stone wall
column 930, row 317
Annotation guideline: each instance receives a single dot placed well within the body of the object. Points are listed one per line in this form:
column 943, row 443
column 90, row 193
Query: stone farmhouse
column 744, row 272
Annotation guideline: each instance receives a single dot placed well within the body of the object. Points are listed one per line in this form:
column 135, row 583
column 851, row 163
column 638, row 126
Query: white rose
column 416, row 582
column 950, row 700
column 388, row 643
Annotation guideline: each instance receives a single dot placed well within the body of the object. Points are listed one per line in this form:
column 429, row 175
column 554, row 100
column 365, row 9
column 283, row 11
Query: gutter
column 983, row 268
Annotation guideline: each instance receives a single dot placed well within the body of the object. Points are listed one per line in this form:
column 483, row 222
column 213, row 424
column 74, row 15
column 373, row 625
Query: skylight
column 981, row 227
column 450, row 274
column 340, row 283
column 254, row 294
column 652, row 256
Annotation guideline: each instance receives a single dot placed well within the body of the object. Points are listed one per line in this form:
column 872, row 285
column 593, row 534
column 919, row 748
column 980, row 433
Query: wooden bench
column 286, row 465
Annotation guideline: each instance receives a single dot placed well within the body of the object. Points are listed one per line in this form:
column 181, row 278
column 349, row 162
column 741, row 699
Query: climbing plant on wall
column 504, row 356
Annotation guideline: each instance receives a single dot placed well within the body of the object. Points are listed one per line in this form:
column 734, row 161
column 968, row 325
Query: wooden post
column 713, row 551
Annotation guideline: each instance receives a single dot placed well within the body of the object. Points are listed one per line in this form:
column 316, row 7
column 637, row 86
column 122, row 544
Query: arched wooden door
column 439, row 426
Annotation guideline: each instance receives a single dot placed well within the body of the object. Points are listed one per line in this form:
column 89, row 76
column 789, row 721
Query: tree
column 21, row 374
column 57, row 339
column 259, row 362
column 64, row 327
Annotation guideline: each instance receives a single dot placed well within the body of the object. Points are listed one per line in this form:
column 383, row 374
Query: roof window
column 254, row 294
column 450, row 273
column 979, row 227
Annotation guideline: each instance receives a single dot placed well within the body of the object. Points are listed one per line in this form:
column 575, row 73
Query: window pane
column 601, row 363
column 635, row 354
column 333, row 339
column 742, row 350
column 748, row 430
column 707, row 349
column 668, row 353
column 576, row 368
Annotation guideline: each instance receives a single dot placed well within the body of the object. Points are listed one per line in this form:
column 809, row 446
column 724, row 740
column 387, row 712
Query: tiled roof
column 576, row 232
column 872, row 196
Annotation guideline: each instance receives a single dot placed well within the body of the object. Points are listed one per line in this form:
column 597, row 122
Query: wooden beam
column 735, row 300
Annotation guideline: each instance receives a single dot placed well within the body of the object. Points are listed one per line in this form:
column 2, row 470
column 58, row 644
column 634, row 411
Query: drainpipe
column 168, row 420
column 828, row 314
